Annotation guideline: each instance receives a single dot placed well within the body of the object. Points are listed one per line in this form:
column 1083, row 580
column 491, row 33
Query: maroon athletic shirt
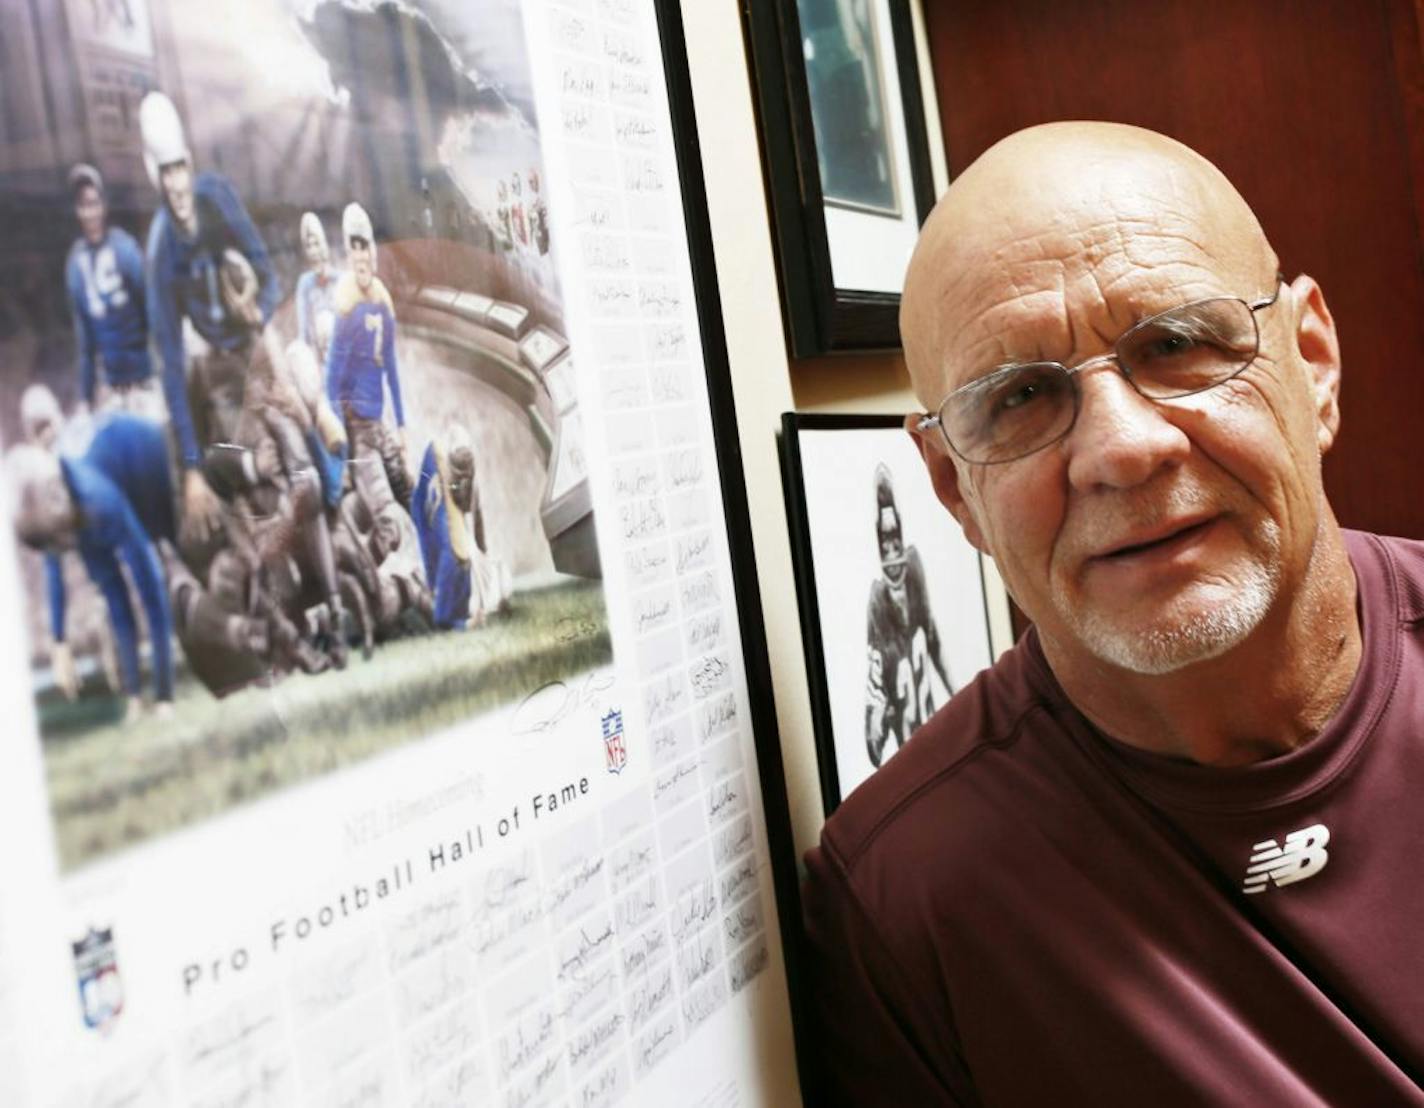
column 1017, row 910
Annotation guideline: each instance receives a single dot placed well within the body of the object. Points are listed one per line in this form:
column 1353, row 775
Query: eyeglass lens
column 1022, row 408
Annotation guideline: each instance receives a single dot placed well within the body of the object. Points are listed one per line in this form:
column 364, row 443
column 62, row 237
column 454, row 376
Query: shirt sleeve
column 879, row 681
column 54, row 589
column 250, row 244
column 338, row 354
column 932, row 640
column 103, row 570
column 130, row 262
column 83, row 327
column 423, row 505
column 304, row 327
column 142, row 559
column 878, row 1040
column 388, row 357
column 165, row 324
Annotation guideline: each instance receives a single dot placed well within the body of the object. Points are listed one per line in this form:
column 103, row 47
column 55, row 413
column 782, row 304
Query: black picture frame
column 786, row 880
column 834, row 638
column 822, row 317
column 540, row 352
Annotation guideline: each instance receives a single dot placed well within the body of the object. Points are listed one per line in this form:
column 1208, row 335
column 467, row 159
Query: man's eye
column 1020, row 391
column 1017, row 396
column 1169, row 346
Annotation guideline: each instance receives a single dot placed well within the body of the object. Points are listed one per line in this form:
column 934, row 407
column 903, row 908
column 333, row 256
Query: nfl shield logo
column 101, row 991
column 615, row 753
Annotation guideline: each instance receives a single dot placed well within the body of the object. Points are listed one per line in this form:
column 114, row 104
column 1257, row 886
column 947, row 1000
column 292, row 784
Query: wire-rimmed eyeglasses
column 1027, row 406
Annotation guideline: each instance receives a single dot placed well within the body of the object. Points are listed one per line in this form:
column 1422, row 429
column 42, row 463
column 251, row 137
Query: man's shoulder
column 382, row 296
column 1396, row 562
column 160, row 233
column 73, row 268
column 947, row 782
column 347, row 295
column 121, row 240
column 214, row 186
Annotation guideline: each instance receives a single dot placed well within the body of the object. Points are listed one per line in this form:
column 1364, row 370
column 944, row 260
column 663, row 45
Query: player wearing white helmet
column 103, row 275
column 316, row 289
column 902, row 641
column 199, row 226
column 361, row 366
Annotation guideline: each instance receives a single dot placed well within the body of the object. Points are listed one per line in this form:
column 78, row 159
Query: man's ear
column 944, row 476
column 1319, row 348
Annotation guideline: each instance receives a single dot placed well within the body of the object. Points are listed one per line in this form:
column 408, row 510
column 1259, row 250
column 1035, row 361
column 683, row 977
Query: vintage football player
column 903, row 645
column 115, row 505
column 200, row 223
column 103, row 275
column 465, row 581
column 361, row 366
column 316, row 289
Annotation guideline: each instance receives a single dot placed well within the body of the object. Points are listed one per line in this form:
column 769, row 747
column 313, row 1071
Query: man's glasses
column 1021, row 408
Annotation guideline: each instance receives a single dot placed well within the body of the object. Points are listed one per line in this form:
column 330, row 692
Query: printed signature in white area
column 557, row 700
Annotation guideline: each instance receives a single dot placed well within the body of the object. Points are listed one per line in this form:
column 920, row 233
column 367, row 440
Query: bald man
column 1162, row 851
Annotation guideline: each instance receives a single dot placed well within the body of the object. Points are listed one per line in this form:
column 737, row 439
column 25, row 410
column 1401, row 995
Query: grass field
column 111, row 786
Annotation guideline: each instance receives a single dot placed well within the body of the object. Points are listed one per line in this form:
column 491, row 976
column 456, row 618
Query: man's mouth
column 1160, row 540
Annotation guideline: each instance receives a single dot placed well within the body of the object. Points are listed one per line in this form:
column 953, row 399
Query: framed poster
column 386, row 724
column 896, row 611
column 847, row 163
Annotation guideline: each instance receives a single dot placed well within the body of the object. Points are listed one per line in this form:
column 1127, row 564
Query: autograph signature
column 555, row 701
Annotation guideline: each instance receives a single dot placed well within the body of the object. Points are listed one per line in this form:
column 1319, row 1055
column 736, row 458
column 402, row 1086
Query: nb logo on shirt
column 1303, row 855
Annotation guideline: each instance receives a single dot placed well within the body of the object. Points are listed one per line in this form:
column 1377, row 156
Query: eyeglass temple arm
column 1267, row 301
column 926, row 423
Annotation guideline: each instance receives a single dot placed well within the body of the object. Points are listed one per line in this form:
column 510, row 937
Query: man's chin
column 1165, row 646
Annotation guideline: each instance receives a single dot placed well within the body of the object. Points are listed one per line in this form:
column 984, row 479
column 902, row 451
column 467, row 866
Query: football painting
column 893, row 599
column 293, row 453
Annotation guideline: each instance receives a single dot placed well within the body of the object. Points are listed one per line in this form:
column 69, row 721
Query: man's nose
column 1121, row 438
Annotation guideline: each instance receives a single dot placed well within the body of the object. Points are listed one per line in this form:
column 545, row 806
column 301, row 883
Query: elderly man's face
column 1155, row 534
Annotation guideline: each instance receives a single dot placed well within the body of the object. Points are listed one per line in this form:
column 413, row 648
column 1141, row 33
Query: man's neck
column 1268, row 695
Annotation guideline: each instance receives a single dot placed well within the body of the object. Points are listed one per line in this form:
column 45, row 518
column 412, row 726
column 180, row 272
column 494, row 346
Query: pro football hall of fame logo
column 614, row 750
column 101, row 990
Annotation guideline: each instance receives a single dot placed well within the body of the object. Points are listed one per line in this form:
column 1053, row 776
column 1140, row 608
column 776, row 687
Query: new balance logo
column 1302, row 856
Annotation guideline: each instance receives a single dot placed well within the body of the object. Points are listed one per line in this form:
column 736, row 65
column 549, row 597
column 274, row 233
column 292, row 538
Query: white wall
column 765, row 382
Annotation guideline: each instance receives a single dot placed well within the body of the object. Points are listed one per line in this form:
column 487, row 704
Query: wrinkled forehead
column 1058, row 296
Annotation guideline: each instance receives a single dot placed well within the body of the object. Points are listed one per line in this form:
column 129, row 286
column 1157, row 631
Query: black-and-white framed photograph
column 847, row 163
column 898, row 611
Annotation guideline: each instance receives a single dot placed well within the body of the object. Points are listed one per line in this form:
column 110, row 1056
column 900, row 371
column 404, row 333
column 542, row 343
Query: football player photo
column 893, row 598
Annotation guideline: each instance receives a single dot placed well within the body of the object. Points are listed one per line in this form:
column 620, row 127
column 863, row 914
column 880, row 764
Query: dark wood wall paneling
column 1314, row 109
